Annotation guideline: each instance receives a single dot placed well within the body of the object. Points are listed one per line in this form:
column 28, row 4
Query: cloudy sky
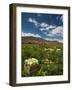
column 46, row 26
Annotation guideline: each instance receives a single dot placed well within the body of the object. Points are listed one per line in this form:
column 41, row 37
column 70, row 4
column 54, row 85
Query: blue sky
column 46, row 26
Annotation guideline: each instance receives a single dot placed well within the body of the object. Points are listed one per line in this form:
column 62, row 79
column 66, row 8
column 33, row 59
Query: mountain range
column 36, row 40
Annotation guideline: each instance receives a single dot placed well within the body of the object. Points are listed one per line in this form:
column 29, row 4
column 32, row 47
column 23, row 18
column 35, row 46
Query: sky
column 46, row 26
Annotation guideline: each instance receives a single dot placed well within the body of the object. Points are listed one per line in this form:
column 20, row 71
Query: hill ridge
column 36, row 40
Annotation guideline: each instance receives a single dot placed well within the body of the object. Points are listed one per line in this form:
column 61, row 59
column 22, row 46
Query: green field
column 42, row 60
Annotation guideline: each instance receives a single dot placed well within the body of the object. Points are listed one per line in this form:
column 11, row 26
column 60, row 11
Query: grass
column 50, row 60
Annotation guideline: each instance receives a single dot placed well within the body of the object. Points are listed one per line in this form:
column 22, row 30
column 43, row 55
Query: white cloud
column 38, row 24
column 43, row 24
column 42, row 29
column 50, row 27
column 30, row 34
column 33, row 21
column 58, row 30
column 48, row 30
column 55, row 31
column 60, row 18
column 47, row 27
column 58, row 40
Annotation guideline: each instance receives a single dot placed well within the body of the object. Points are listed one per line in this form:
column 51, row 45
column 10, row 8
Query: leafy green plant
column 50, row 59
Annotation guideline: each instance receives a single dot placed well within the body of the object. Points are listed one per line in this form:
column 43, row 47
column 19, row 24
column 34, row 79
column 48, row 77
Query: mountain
column 36, row 40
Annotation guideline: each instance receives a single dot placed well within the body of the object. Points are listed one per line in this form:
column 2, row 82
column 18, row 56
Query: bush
column 50, row 62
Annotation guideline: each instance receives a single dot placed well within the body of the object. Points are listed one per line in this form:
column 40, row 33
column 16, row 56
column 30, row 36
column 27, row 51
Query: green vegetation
column 44, row 60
